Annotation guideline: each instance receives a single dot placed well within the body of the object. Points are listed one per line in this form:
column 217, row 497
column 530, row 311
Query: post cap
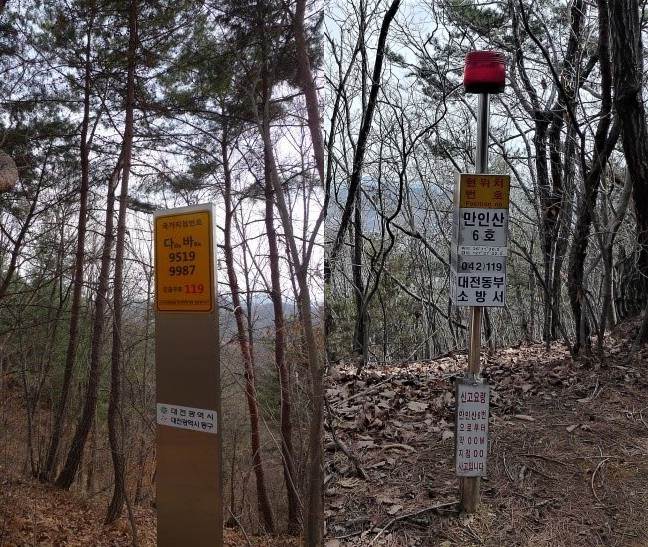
column 484, row 72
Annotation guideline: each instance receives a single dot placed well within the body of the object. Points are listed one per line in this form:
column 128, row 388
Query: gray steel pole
column 470, row 485
column 483, row 124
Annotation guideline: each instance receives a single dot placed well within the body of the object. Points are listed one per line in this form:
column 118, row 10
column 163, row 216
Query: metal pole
column 483, row 123
column 470, row 485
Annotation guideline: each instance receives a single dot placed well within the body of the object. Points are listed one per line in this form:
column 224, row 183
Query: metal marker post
column 189, row 493
column 470, row 485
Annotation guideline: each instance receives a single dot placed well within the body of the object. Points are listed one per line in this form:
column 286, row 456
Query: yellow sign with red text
column 484, row 191
column 184, row 262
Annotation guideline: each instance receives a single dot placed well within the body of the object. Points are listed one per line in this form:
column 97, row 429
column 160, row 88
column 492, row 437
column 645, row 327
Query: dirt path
column 568, row 460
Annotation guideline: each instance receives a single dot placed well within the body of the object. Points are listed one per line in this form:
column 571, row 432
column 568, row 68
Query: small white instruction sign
column 471, row 429
column 186, row 417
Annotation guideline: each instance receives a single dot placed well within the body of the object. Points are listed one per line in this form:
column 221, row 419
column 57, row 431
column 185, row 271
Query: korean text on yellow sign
column 484, row 191
column 184, row 262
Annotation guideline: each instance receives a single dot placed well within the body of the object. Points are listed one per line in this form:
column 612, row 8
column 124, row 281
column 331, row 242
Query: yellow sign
column 184, row 262
column 484, row 191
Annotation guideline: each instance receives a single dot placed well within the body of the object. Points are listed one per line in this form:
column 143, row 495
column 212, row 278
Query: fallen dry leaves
column 568, row 461
column 568, row 452
column 32, row 514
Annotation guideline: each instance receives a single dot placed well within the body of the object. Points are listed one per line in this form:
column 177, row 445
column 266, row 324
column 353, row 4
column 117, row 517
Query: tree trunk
column 565, row 196
column 92, row 460
column 78, row 279
column 114, row 405
column 263, row 502
column 314, row 516
column 57, row 303
column 553, row 192
column 360, row 330
column 625, row 24
column 287, row 450
column 307, row 83
column 18, row 243
column 604, row 142
column 75, row 453
column 610, row 229
column 365, row 128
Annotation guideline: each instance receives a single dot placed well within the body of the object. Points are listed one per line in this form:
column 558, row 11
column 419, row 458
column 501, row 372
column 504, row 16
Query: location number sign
column 482, row 231
column 479, row 240
column 184, row 262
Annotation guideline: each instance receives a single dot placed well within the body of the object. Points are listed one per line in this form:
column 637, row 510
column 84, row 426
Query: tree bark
column 314, row 515
column 78, row 279
column 610, row 229
column 287, row 450
column 263, row 502
column 20, row 238
column 75, row 453
column 605, row 139
column 114, row 405
column 309, row 88
column 360, row 331
column 554, row 172
column 627, row 48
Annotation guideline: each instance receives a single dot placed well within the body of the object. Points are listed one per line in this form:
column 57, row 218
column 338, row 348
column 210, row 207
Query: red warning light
column 484, row 72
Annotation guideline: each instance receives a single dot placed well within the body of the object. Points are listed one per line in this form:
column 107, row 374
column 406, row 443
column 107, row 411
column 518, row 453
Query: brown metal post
column 189, row 492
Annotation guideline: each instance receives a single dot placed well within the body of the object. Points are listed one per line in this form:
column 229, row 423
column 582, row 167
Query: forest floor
column 34, row 514
column 568, row 461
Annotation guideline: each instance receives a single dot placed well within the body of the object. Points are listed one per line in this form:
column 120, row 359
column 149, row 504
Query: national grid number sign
column 184, row 262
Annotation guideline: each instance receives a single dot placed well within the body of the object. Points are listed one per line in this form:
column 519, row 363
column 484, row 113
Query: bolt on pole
column 470, row 485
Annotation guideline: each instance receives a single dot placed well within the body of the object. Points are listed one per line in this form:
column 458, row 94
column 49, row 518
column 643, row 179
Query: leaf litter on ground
column 546, row 441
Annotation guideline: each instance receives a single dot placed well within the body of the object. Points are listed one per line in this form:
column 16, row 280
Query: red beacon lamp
column 484, row 72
